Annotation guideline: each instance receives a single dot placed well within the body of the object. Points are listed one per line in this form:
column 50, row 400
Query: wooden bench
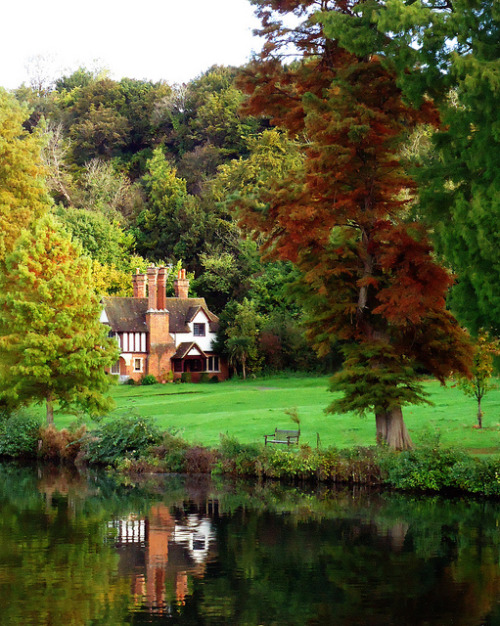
column 288, row 437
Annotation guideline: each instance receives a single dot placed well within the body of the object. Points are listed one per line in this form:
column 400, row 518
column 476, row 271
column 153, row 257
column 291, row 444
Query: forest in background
column 144, row 172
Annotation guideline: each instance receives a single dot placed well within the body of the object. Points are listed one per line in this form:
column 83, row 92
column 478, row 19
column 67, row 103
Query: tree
column 340, row 217
column 448, row 51
column 23, row 196
column 172, row 224
column 100, row 238
column 53, row 347
column 242, row 333
column 485, row 349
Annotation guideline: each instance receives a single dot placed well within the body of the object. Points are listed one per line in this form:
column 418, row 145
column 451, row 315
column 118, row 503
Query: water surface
column 89, row 549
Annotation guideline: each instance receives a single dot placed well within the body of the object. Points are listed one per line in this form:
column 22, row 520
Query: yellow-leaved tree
column 23, row 194
column 53, row 347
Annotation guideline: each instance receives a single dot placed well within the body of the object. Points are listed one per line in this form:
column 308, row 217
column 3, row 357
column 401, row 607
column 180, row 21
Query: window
column 198, row 330
column 137, row 365
column 194, row 365
column 115, row 368
column 213, row 364
column 177, row 365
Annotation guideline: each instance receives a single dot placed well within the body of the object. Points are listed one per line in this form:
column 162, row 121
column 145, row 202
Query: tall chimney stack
column 139, row 284
column 152, row 279
column 181, row 285
column 162, row 288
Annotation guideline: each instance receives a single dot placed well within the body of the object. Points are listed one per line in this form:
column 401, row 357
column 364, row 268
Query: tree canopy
column 53, row 347
column 23, row 193
column 341, row 217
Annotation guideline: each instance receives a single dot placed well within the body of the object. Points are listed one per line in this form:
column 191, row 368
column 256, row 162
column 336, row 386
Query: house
column 158, row 335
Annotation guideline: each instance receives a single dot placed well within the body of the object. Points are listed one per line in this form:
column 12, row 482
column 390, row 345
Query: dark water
column 88, row 550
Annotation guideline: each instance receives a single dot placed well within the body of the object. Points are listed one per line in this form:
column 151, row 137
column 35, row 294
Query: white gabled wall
column 205, row 342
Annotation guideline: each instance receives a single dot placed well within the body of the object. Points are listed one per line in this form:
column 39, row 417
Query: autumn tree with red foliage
column 368, row 273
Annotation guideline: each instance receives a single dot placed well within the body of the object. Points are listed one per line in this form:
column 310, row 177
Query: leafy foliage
column 129, row 436
column 149, row 379
column 19, row 435
column 23, row 195
column 53, row 346
column 485, row 349
column 368, row 273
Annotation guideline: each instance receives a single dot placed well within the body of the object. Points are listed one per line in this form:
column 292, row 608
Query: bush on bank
column 135, row 444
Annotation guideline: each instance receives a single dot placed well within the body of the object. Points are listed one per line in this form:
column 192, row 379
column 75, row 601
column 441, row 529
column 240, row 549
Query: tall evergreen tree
column 450, row 51
column 370, row 275
column 53, row 347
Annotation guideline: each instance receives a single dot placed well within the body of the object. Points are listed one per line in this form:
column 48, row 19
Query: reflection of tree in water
column 55, row 567
column 78, row 550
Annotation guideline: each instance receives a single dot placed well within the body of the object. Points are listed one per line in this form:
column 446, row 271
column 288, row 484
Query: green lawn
column 248, row 410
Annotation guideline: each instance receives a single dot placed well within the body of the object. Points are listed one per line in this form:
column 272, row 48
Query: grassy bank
column 249, row 410
column 219, row 428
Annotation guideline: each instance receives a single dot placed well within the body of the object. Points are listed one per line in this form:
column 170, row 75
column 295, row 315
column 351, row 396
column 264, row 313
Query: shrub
column 239, row 458
column 149, row 379
column 60, row 445
column 186, row 377
column 199, row 460
column 123, row 436
column 214, row 379
column 171, row 452
column 19, row 435
column 129, row 381
column 426, row 468
column 169, row 377
column 204, row 378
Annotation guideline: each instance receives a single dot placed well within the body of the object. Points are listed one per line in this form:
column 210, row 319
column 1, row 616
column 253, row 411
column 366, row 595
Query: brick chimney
column 152, row 293
column 181, row 285
column 139, row 284
column 162, row 288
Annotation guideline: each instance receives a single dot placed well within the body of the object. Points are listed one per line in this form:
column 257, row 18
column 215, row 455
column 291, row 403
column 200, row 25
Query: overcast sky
column 173, row 40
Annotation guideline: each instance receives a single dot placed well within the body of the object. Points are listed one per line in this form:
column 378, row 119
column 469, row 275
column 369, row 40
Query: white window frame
column 199, row 325
column 210, row 366
column 115, row 368
column 141, row 362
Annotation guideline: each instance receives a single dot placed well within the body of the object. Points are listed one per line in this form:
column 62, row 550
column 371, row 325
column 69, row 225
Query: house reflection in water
column 161, row 552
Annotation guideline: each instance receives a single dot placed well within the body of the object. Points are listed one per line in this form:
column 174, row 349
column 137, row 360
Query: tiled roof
column 126, row 314
column 129, row 314
column 184, row 310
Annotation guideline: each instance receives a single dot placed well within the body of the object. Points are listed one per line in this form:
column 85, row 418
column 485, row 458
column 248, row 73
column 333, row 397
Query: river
column 94, row 548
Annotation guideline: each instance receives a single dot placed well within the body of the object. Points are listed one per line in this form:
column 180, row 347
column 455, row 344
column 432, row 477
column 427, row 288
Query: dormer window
column 199, row 330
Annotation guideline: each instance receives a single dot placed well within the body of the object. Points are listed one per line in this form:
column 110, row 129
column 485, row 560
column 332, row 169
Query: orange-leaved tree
column 342, row 216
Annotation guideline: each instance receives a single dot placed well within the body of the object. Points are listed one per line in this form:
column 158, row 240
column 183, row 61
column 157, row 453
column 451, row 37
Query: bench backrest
column 283, row 434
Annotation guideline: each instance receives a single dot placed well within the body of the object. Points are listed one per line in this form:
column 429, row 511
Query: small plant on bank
column 60, row 445
column 428, row 468
column 19, row 434
column 186, row 377
column 214, row 379
column 120, row 437
column 130, row 381
column 149, row 379
column 205, row 377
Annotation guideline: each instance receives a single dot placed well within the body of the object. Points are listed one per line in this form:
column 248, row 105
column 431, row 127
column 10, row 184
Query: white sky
column 173, row 40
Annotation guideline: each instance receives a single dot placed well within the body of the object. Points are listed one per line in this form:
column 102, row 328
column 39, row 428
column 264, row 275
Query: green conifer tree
column 53, row 347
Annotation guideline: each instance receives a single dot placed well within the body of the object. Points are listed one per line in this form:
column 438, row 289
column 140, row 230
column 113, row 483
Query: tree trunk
column 391, row 430
column 479, row 414
column 243, row 366
column 50, row 409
